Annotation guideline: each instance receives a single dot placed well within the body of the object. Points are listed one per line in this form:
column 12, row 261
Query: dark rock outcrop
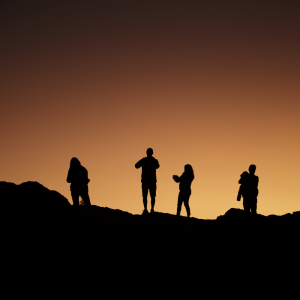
column 30, row 194
column 104, row 252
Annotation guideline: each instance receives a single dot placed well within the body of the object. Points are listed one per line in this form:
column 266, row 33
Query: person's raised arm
column 139, row 163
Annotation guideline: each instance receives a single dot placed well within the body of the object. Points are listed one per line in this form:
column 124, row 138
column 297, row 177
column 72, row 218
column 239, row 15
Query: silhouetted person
column 78, row 177
column 185, row 181
column 249, row 190
column 149, row 165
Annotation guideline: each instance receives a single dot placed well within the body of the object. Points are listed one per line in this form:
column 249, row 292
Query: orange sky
column 215, row 86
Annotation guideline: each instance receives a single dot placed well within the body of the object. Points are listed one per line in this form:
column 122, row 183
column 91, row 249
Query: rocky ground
column 53, row 248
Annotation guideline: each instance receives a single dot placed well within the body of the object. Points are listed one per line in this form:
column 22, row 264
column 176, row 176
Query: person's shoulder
column 83, row 169
column 142, row 160
column 155, row 161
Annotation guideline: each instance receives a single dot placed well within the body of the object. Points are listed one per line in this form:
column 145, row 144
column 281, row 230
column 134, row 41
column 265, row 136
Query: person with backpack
column 185, row 181
column 249, row 190
column 78, row 177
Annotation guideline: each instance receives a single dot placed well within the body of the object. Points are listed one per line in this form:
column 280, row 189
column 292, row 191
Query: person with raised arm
column 149, row 165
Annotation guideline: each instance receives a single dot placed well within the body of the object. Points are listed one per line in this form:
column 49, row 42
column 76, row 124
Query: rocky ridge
column 117, row 252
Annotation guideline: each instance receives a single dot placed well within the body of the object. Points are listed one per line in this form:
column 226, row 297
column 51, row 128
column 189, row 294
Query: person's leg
column 152, row 203
column 254, row 205
column 152, row 190
column 75, row 196
column 145, row 193
column 180, row 200
column 186, row 203
column 85, row 196
column 246, row 205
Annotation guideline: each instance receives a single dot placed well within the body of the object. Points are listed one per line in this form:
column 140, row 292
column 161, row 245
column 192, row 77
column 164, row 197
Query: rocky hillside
column 99, row 251
column 30, row 194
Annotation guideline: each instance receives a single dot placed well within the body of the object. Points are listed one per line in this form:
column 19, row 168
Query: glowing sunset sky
column 213, row 85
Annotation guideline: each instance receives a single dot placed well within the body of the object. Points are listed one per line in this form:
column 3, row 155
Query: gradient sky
column 212, row 84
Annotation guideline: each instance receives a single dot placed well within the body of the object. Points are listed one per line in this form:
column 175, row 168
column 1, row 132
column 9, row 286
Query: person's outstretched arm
column 139, row 163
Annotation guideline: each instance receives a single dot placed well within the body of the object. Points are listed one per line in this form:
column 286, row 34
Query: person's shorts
column 151, row 186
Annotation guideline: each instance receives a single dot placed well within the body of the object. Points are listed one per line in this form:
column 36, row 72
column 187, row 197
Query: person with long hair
column 185, row 181
column 78, row 177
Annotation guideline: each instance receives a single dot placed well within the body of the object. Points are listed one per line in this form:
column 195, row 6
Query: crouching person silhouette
column 149, row 165
column 78, row 177
column 185, row 181
column 249, row 190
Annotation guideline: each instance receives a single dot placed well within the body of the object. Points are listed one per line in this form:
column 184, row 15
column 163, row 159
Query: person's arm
column 69, row 177
column 139, row 163
column 176, row 178
column 87, row 177
column 157, row 164
column 239, row 194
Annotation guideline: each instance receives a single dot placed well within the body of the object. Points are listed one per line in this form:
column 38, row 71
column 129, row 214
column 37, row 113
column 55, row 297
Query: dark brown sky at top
column 129, row 45
column 104, row 70
column 77, row 42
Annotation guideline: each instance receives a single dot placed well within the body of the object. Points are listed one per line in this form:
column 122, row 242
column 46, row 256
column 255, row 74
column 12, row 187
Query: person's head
column 74, row 162
column 244, row 174
column 188, row 169
column 149, row 152
column 252, row 169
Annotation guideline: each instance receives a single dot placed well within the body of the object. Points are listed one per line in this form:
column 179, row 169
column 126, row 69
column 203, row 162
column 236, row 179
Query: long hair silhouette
column 74, row 163
column 189, row 171
column 78, row 177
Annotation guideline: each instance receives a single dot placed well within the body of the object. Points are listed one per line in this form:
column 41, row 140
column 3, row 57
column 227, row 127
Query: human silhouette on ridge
column 149, row 165
column 185, row 181
column 78, row 177
column 249, row 190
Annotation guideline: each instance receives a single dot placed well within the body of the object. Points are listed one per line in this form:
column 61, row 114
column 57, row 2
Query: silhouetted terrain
column 30, row 194
column 63, row 250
